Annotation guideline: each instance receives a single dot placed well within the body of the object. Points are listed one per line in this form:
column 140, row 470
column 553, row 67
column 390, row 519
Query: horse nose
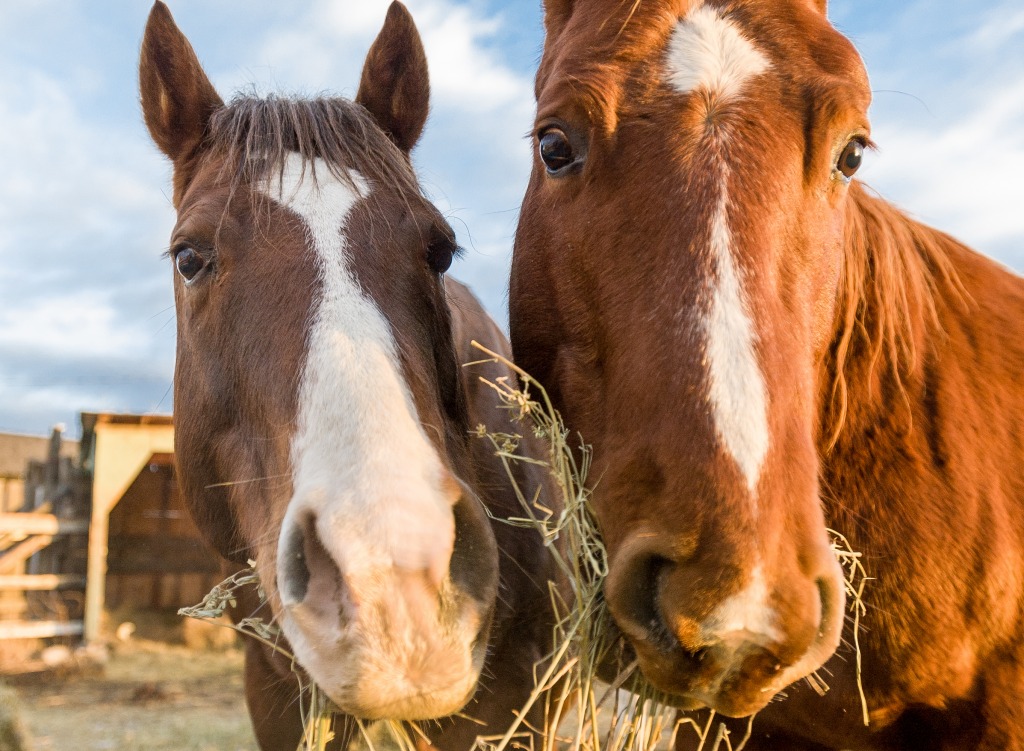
column 310, row 574
column 307, row 574
column 392, row 624
column 721, row 632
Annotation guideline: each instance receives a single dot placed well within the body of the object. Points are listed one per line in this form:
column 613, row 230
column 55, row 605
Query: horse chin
column 424, row 677
column 375, row 699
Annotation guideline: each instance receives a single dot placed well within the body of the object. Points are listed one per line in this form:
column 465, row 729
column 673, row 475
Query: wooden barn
column 102, row 527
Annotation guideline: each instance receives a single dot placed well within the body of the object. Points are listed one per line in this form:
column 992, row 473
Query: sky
column 86, row 308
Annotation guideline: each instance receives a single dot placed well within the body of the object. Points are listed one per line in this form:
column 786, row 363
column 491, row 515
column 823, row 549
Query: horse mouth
column 690, row 681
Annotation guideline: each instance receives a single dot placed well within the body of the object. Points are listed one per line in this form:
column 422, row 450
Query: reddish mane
column 760, row 350
column 893, row 270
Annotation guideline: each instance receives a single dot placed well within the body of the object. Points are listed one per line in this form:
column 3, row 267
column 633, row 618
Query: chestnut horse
column 760, row 350
column 322, row 417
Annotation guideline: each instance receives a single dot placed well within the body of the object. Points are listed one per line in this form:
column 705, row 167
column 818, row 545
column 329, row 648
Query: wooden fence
column 42, row 551
column 23, row 536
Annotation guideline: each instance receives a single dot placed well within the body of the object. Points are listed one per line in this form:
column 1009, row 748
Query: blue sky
column 86, row 312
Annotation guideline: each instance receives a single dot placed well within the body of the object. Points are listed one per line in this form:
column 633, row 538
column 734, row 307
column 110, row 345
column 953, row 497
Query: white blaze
column 737, row 387
column 360, row 458
column 746, row 612
column 708, row 52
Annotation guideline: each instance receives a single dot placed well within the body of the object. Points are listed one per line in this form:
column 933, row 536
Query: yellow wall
column 121, row 452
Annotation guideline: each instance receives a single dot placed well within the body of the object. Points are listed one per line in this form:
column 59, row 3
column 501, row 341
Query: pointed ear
column 395, row 87
column 556, row 14
column 821, row 5
column 177, row 97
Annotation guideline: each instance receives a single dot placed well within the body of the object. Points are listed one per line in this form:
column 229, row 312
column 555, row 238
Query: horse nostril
column 635, row 600
column 833, row 603
column 293, row 571
column 473, row 564
column 301, row 552
column 760, row 664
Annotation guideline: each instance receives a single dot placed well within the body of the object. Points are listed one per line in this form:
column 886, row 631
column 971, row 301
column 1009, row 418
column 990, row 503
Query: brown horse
column 322, row 418
column 759, row 350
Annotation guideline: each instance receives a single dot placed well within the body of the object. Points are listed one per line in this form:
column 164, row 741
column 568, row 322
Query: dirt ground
column 151, row 696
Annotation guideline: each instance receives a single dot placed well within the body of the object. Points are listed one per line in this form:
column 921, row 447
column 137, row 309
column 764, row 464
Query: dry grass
column 318, row 720
column 629, row 714
column 151, row 696
column 585, row 713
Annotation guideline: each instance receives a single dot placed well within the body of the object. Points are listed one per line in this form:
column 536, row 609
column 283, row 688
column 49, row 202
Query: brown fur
column 242, row 341
column 891, row 355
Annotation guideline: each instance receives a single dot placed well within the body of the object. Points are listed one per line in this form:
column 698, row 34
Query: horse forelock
column 258, row 137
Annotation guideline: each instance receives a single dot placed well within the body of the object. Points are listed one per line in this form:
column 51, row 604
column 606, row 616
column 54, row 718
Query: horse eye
column 188, row 262
column 440, row 252
column 851, row 158
column 440, row 257
column 555, row 150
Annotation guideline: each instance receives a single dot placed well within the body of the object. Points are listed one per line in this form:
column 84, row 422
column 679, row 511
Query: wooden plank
column 41, row 524
column 39, row 629
column 42, row 582
column 17, row 554
column 153, row 554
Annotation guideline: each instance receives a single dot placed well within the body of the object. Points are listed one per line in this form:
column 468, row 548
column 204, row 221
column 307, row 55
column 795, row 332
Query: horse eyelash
column 204, row 250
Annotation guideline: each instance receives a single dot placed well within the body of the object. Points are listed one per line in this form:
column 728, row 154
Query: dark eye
column 441, row 250
column 850, row 159
column 188, row 262
column 555, row 150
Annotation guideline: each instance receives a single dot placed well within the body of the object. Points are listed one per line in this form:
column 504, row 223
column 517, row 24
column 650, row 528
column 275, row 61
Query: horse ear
column 556, row 14
column 395, row 87
column 177, row 97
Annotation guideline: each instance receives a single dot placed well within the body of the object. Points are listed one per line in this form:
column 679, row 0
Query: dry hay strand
column 628, row 714
column 581, row 712
column 318, row 719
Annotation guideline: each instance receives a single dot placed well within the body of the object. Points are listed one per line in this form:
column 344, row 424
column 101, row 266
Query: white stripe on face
column 361, row 461
column 747, row 612
column 737, row 387
column 707, row 52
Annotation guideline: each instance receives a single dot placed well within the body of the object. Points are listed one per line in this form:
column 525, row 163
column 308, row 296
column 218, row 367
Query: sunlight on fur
column 588, row 714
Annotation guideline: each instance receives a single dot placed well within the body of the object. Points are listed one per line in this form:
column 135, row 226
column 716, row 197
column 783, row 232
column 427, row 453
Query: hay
column 856, row 578
column 318, row 720
column 588, row 714
column 581, row 712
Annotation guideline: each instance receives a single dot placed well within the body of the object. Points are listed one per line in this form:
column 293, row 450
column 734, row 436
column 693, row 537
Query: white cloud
column 85, row 299
column 948, row 117
column 965, row 176
column 465, row 73
column 82, row 284
column 85, row 323
column 998, row 30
